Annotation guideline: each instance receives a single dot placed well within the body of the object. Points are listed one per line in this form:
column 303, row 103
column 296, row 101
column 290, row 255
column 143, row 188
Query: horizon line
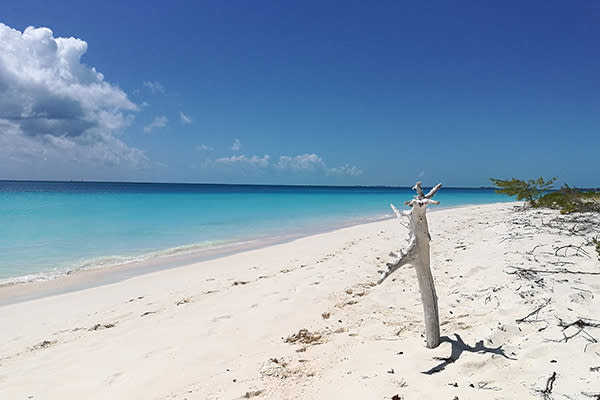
column 231, row 184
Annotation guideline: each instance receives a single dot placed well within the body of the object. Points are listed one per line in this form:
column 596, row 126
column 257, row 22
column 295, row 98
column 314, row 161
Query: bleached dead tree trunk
column 417, row 254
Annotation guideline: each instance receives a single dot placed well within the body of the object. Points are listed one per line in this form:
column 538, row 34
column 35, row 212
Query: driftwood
column 546, row 393
column 417, row 254
column 534, row 312
column 519, row 270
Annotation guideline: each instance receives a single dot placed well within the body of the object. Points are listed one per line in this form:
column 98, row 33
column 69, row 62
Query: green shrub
column 537, row 193
column 569, row 200
column 531, row 190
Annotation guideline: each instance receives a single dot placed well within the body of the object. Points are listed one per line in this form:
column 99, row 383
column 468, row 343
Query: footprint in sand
column 43, row 345
column 98, row 327
column 148, row 313
column 222, row 317
column 185, row 300
column 110, row 380
column 252, row 393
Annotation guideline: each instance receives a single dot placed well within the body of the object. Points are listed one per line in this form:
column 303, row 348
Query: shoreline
column 81, row 279
column 306, row 319
column 85, row 278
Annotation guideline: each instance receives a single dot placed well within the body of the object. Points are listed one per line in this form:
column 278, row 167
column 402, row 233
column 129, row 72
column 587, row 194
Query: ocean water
column 48, row 229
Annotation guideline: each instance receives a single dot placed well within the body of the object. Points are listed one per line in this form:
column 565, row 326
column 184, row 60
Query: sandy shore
column 229, row 328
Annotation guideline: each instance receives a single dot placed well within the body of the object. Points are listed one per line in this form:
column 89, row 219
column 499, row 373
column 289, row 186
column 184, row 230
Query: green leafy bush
column 531, row 190
column 569, row 200
column 537, row 192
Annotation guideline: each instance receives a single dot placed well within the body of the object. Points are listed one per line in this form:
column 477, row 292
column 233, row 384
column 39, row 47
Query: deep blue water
column 50, row 228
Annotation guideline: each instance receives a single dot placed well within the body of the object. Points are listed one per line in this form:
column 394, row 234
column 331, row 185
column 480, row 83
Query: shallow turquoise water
column 49, row 228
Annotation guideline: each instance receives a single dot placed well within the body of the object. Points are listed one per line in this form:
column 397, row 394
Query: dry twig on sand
column 534, row 312
column 549, row 386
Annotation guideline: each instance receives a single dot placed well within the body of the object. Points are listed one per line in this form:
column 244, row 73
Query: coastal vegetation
column 568, row 200
column 538, row 193
column 531, row 190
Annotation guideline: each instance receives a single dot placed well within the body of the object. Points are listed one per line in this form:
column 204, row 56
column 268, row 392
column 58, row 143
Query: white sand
column 216, row 329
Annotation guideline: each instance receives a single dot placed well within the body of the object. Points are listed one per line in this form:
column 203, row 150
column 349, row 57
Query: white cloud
column 350, row 170
column 236, row 145
column 254, row 161
column 52, row 105
column 184, row 118
column 158, row 122
column 144, row 104
column 314, row 164
column 203, row 147
column 154, row 86
column 299, row 164
column 88, row 152
column 302, row 162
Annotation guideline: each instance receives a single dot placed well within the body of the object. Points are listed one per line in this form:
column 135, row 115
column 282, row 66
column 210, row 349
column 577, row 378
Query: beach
column 518, row 300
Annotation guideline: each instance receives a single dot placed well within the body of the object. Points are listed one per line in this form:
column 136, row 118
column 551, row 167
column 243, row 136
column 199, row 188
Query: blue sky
column 345, row 92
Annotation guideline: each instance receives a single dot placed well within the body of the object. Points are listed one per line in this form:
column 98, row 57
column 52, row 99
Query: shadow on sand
column 458, row 347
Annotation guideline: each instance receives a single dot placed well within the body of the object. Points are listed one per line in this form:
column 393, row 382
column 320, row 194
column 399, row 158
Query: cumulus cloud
column 19, row 153
column 184, row 118
column 299, row 164
column 236, row 145
column 254, row 161
column 53, row 105
column 158, row 122
column 154, row 86
column 350, row 170
column 302, row 162
column 314, row 164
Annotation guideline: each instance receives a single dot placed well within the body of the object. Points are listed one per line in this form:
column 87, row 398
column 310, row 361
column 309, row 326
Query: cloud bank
column 55, row 107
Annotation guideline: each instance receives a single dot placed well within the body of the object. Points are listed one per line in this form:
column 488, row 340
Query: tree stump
column 417, row 254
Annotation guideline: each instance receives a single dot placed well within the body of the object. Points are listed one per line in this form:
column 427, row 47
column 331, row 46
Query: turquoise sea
column 48, row 229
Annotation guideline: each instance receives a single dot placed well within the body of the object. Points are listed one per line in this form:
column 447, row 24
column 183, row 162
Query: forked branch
column 417, row 254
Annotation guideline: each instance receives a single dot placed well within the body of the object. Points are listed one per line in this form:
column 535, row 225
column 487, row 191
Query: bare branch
column 403, row 259
column 534, row 312
column 580, row 324
column 433, row 191
column 518, row 270
column 420, row 202
column 595, row 396
column 397, row 212
column 417, row 254
column 417, row 187
column 549, row 384
column 570, row 246
column 399, row 215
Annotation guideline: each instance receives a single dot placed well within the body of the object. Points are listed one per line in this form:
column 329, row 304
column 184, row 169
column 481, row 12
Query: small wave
column 184, row 250
column 37, row 277
column 117, row 260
